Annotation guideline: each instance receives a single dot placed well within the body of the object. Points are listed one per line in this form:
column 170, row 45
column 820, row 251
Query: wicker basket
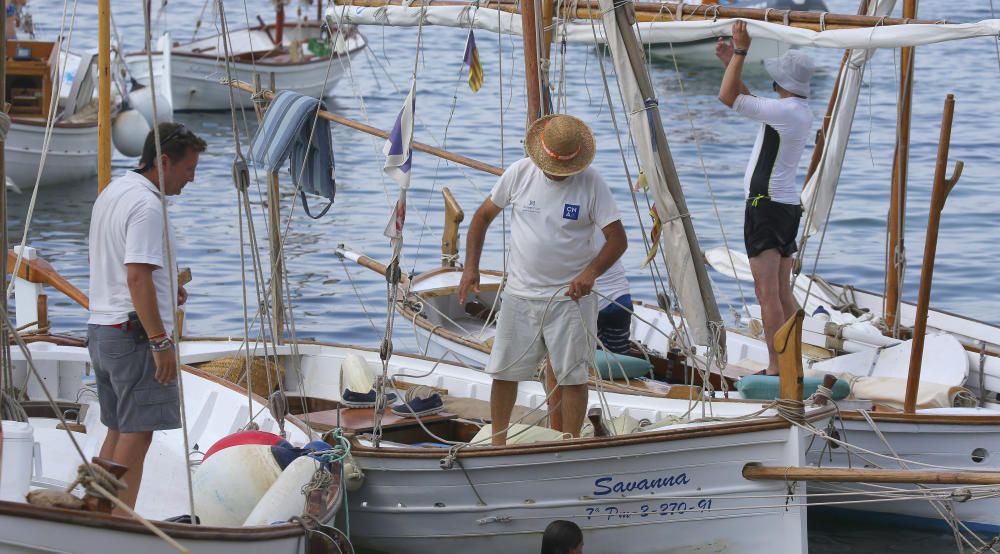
column 231, row 368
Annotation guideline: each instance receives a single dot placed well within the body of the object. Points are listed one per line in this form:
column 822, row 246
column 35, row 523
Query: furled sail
column 820, row 189
column 579, row 31
column 685, row 267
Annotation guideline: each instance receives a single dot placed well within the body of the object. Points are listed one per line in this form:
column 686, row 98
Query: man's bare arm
column 474, row 239
column 616, row 242
column 732, row 81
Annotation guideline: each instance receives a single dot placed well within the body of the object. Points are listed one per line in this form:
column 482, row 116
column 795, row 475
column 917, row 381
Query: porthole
column 979, row 455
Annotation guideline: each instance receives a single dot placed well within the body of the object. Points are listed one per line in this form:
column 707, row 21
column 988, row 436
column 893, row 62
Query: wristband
column 161, row 345
column 158, row 337
column 739, row 52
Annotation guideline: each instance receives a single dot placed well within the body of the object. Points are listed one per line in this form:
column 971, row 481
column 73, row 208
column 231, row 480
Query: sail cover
column 685, row 267
column 817, row 196
column 579, row 31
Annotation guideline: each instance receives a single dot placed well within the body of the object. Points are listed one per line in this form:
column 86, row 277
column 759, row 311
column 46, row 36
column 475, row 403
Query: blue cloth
column 614, row 325
column 291, row 131
column 284, row 453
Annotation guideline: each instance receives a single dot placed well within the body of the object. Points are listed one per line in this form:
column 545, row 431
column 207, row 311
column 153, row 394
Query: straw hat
column 560, row 145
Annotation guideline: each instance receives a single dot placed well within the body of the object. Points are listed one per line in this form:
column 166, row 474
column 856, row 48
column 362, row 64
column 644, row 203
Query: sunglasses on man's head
column 178, row 132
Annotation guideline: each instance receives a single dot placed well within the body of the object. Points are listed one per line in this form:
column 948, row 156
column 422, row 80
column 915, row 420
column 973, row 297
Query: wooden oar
column 757, row 472
column 42, row 272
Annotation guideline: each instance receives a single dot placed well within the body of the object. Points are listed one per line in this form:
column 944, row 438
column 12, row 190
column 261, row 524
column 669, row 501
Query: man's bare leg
column 788, row 303
column 555, row 397
column 574, row 408
column 765, row 268
column 131, row 453
column 502, row 397
column 110, row 442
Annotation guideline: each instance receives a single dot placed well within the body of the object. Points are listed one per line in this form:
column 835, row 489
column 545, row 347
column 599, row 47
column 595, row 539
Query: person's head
column 791, row 73
column 562, row 537
column 560, row 145
column 179, row 152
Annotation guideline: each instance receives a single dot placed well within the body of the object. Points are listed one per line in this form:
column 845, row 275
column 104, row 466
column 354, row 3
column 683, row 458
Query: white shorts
column 519, row 346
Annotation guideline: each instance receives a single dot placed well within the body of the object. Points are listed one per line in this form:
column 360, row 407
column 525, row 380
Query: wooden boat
column 449, row 330
column 304, row 57
column 214, row 408
column 33, row 69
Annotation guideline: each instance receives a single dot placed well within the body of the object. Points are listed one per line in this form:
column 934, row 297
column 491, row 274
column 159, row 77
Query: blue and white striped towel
column 285, row 133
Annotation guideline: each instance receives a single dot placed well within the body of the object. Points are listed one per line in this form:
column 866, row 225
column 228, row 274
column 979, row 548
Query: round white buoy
column 230, row 484
column 128, row 132
column 284, row 499
column 142, row 101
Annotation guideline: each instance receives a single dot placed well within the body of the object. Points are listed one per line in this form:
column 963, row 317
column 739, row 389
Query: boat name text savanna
column 608, row 485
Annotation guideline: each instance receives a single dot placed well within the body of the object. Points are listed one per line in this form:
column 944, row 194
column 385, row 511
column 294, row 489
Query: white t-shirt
column 612, row 283
column 552, row 226
column 126, row 226
column 785, row 129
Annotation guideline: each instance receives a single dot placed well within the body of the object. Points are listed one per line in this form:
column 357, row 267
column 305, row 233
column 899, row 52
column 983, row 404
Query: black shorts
column 768, row 224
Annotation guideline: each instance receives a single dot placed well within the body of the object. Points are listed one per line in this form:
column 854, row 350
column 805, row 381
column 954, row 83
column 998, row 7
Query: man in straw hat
column 773, row 211
column 557, row 203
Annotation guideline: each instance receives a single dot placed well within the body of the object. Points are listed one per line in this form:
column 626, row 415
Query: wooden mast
column 897, row 200
column 942, row 186
column 532, row 72
column 104, row 92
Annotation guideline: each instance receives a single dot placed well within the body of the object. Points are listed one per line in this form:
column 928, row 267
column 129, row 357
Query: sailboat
column 34, row 74
column 304, row 56
column 57, row 495
column 449, row 330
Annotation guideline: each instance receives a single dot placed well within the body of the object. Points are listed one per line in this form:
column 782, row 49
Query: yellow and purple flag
column 472, row 60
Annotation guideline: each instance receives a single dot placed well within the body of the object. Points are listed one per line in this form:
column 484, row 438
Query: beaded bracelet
column 161, row 345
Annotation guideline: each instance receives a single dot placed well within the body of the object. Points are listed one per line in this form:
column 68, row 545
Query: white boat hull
column 214, row 410
column 72, row 153
column 195, row 80
column 701, row 502
column 951, row 445
column 410, row 506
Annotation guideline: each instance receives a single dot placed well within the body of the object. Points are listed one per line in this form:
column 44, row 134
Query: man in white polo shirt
column 132, row 290
column 773, row 210
column 558, row 202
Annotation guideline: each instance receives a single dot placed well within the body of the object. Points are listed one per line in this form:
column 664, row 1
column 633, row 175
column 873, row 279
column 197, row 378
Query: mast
column 895, row 249
column 104, row 92
column 532, row 72
column 4, row 338
column 939, row 194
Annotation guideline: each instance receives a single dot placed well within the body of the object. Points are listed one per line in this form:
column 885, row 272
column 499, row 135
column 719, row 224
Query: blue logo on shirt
column 571, row 211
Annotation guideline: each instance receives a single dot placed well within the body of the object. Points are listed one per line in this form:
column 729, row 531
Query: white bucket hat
column 792, row 71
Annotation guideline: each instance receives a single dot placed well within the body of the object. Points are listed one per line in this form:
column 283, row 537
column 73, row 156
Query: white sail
column 820, row 189
column 685, row 268
column 579, row 31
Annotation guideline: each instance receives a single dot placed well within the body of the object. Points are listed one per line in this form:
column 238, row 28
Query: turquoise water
column 347, row 304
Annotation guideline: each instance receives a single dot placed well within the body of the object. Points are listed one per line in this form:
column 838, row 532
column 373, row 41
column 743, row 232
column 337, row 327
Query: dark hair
column 176, row 141
column 561, row 536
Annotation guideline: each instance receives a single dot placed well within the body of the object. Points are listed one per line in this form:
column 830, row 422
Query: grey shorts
column 132, row 401
column 526, row 333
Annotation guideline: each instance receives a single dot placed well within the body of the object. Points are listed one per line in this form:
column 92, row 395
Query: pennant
column 472, row 60
column 654, row 236
column 641, row 183
column 398, row 152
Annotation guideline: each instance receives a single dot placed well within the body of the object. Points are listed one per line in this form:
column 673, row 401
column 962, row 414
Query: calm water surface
column 342, row 303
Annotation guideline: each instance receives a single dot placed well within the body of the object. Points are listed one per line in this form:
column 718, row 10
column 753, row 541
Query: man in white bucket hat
column 558, row 204
column 773, row 210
